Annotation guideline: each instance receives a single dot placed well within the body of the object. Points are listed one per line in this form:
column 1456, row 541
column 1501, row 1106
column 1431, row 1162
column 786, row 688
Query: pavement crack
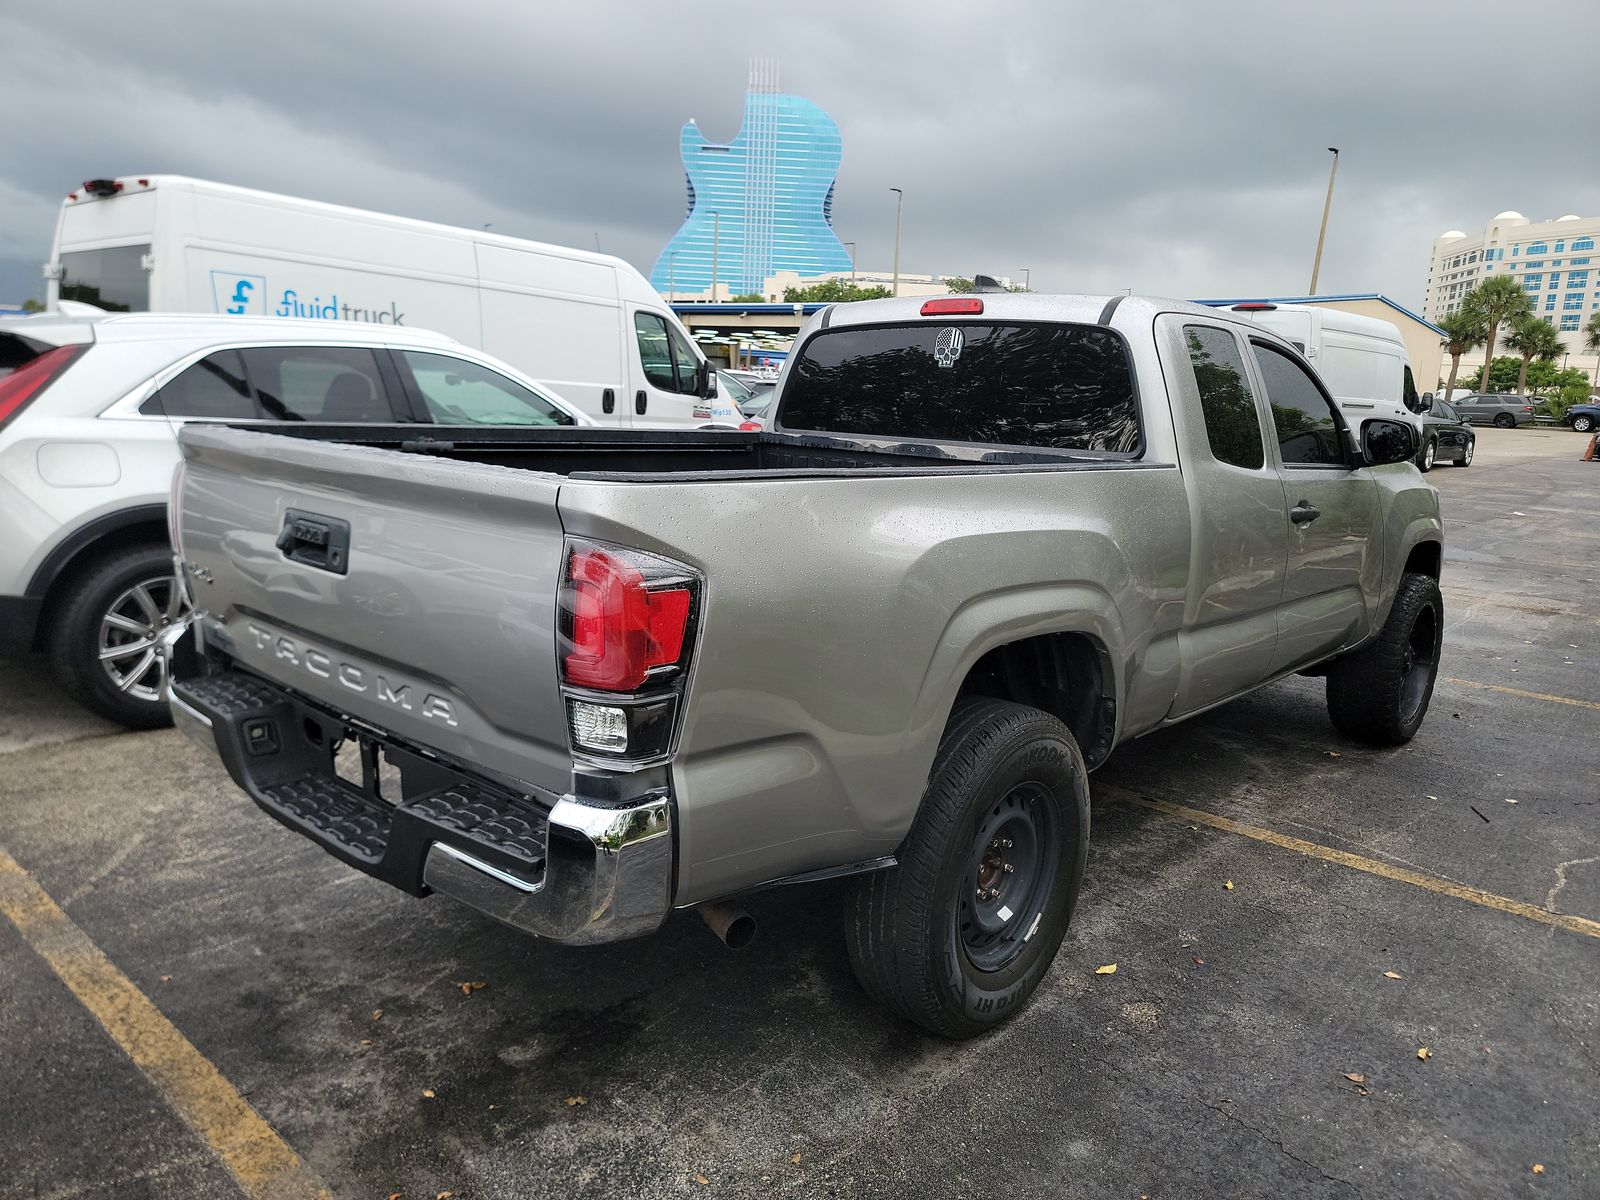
column 1223, row 1109
column 1561, row 879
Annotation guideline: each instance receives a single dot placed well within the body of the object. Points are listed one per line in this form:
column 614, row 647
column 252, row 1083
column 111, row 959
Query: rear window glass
column 17, row 351
column 113, row 279
column 1061, row 387
column 213, row 388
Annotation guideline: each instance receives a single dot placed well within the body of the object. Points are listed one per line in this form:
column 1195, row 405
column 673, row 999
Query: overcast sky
column 1170, row 148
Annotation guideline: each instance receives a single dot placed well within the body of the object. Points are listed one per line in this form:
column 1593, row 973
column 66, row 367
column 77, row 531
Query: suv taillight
column 627, row 629
column 28, row 380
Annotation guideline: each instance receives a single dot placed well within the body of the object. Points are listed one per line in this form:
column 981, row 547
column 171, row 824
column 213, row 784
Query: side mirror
column 1384, row 442
column 708, row 382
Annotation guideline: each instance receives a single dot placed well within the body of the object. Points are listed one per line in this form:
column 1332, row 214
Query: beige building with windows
column 1555, row 261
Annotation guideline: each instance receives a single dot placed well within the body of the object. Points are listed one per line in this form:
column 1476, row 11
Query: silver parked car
column 1496, row 408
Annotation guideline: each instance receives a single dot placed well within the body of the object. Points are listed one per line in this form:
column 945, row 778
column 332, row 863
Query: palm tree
column 1591, row 343
column 1463, row 331
column 1533, row 337
column 1497, row 300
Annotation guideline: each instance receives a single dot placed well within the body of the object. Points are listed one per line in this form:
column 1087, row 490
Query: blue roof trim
column 1378, row 296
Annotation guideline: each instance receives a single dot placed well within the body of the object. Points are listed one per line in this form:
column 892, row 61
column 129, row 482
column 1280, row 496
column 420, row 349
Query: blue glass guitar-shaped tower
column 760, row 203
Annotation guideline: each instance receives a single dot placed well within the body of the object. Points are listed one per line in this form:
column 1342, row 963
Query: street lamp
column 1027, row 273
column 852, row 248
column 716, row 238
column 1316, row 264
column 899, row 212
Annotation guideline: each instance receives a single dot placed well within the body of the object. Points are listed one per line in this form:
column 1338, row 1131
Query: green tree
column 833, row 291
column 958, row 284
column 1591, row 343
column 1497, row 301
column 1532, row 337
column 1463, row 331
column 748, row 298
column 30, row 305
column 1502, row 376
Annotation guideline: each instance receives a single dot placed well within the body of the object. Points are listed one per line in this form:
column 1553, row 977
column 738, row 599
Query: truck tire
column 97, row 615
column 1380, row 693
column 956, row 937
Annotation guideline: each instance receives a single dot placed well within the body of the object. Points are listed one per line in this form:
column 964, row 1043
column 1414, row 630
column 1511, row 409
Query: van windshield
column 1066, row 387
column 113, row 278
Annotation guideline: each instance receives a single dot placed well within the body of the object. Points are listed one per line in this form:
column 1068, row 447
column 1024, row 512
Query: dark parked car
column 1585, row 418
column 1444, row 436
column 1499, row 408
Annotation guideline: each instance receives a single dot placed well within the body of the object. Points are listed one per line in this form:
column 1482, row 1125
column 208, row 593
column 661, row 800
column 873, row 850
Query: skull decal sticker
column 947, row 346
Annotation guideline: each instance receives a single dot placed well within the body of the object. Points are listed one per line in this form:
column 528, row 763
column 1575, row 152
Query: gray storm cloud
column 1170, row 148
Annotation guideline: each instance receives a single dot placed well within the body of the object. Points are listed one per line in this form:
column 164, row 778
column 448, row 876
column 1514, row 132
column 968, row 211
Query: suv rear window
column 18, row 351
column 1061, row 387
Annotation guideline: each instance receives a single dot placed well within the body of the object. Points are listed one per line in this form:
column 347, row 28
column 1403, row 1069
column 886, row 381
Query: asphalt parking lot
column 1286, row 911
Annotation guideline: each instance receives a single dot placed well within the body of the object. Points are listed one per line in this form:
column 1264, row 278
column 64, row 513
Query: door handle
column 608, row 400
column 640, row 399
column 1304, row 513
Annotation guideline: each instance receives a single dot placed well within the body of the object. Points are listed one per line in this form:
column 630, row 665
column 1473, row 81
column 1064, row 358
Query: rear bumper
column 578, row 870
column 19, row 623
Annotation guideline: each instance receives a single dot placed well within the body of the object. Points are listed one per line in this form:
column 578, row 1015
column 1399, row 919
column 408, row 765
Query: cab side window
column 335, row 384
column 668, row 362
column 1302, row 416
column 1228, row 405
column 213, row 388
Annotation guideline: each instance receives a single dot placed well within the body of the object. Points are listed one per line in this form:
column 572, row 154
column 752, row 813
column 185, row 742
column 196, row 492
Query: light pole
column 852, row 247
column 1027, row 273
column 1327, row 204
column 716, row 238
column 899, row 211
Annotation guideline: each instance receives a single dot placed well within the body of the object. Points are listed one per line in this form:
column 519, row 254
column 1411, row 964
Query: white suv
column 89, row 410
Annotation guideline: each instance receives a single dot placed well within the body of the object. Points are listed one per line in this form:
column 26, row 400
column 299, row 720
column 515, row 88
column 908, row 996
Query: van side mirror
column 708, row 382
column 1384, row 442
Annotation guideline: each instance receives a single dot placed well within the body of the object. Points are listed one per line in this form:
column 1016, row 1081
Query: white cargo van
column 587, row 326
column 1362, row 359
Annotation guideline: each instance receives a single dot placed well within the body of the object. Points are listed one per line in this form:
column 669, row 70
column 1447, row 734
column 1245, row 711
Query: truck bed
column 649, row 455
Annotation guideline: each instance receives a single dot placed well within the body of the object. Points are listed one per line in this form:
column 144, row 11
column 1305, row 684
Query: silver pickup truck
column 580, row 678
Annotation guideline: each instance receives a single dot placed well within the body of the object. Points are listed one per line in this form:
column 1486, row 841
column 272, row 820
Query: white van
column 587, row 326
column 1362, row 359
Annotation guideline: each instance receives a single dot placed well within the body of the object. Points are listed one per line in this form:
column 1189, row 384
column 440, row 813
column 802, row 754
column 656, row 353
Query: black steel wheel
column 1505, row 420
column 961, row 931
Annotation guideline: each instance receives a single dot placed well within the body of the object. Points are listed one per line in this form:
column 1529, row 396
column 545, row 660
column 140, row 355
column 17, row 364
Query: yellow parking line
column 262, row 1163
column 1357, row 862
column 1510, row 691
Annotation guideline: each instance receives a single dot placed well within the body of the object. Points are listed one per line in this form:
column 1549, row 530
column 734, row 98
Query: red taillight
column 619, row 623
column 953, row 305
column 751, row 426
column 28, row 380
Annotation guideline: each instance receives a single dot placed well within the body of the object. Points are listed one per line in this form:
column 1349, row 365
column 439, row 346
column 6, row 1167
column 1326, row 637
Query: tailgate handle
column 317, row 541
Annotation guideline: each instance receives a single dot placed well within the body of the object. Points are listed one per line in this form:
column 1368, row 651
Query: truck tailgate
column 436, row 623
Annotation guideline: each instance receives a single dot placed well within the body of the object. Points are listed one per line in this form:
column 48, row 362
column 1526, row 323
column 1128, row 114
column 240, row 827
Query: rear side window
column 335, row 384
column 113, row 279
column 1229, row 407
column 17, row 351
column 458, row 392
column 1062, row 387
column 1307, row 429
column 214, row 387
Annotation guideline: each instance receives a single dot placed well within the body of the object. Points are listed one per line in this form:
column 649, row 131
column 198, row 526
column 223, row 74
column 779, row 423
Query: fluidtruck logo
column 248, row 295
column 239, row 295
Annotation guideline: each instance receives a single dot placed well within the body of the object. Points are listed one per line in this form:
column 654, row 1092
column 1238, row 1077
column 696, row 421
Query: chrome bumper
column 608, row 878
column 607, row 867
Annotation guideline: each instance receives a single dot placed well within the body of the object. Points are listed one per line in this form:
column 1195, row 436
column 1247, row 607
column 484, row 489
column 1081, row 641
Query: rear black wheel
column 1505, row 420
column 958, row 935
column 1380, row 693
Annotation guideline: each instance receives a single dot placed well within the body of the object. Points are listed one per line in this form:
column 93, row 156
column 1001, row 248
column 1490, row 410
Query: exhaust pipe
column 734, row 927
